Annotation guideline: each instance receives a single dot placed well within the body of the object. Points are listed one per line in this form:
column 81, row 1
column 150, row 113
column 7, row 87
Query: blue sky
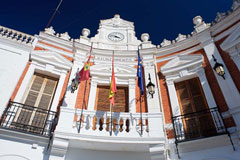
column 161, row 19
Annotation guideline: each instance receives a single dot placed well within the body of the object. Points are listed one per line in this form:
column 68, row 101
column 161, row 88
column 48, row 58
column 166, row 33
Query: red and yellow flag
column 84, row 74
column 113, row 87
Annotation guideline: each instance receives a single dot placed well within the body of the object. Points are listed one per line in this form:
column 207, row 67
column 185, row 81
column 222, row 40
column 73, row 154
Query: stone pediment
column 232, row 40
column 104, row 70
column 182, row 62
column 53, row 58
column 116, row 21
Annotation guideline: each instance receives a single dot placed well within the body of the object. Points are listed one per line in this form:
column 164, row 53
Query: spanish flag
column 84, row 74
column 113, row 88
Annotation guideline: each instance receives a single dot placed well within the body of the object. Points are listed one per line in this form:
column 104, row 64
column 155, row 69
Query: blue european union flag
column 139, row 74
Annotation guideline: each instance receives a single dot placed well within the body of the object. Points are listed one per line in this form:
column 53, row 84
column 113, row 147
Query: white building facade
column 194, row 112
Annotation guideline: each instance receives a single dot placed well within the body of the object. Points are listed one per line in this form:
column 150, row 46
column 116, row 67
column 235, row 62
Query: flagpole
column 84, row 94
column 141, row 112
column 82, row 106
column 140, row 101
column 111, row 119
column 54, row 13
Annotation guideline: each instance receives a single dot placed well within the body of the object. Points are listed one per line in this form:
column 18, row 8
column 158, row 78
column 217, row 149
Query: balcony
column 197, row 125
column 28, row 119
column 119, row 124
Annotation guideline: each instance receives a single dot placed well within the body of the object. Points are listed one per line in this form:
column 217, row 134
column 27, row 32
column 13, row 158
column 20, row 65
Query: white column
column 210, row 99
column 58, row 90
column 92, row 95
column 155, row 119
column 206, row 88
column 66, row 117
column 227, row 86
column 70, row 98
column 235, row 56
column 153, row 102
column 173, row 98
column 25, row 83
column 132, row 95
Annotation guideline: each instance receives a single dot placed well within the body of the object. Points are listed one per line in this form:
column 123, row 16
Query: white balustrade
column 123, row 124
column 15, row 35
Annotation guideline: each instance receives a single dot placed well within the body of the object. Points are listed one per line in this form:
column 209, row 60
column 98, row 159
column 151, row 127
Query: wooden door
column 103, row 103
column 40, row 94
column 197, row 121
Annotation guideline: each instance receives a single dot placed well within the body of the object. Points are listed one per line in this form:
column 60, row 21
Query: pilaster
column 59, row 149
column 206, row 88
column 235, row 56
column 92, row 95
column 132, row 95
column 25, row 83
column 153, row 102
column 227, row 85
column 58, row 90
column 173, row 97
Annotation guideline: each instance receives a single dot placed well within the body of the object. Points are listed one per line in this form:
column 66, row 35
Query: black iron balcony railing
column 29, row 119
column 198, row 125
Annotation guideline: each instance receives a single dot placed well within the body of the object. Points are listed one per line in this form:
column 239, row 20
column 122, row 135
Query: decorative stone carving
column 198, row 20
column 116, row 20
column 165, row 43
column 200, row 25
column 169, row 82
column 236, row 4
column 85, row 32
column 145, row 37
column 50, row 30
column 65, row 36
column 220, row 16
column 180, row 37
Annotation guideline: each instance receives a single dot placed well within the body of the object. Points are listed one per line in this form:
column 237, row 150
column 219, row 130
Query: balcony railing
column 123, row 124
column 25, row 118
column 198, row 125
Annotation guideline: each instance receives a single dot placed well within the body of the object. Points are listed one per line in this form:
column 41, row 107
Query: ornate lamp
column 150, row 86
column 75, row 83
column 218, row 67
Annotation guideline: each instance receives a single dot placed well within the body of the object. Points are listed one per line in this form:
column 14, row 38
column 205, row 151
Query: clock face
column 116, row 36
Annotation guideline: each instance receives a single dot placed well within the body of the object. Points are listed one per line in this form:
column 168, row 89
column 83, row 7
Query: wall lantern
column 75, row 83
column 218, row 67
column 150, row 86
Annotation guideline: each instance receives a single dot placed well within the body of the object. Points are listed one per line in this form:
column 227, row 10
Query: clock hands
column 116, row 36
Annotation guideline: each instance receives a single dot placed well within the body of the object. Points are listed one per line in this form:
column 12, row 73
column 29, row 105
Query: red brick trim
column 231, row 66
column 20, row 82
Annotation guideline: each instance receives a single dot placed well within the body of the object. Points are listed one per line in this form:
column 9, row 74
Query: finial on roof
column 145, row 37
column 200, row 25
column 116, row 16
column 236, row 4
column 85, row 32
column 50, row 30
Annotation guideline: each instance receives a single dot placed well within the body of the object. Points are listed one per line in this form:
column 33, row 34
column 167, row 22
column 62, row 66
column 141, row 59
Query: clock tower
column 116, row 34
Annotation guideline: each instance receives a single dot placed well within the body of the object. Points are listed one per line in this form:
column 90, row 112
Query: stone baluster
column 85, row 122
column 97, row 122
column 91, row 122
column 117, row 125
column 124, row 127
column 144, row 124
column 104, row 122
